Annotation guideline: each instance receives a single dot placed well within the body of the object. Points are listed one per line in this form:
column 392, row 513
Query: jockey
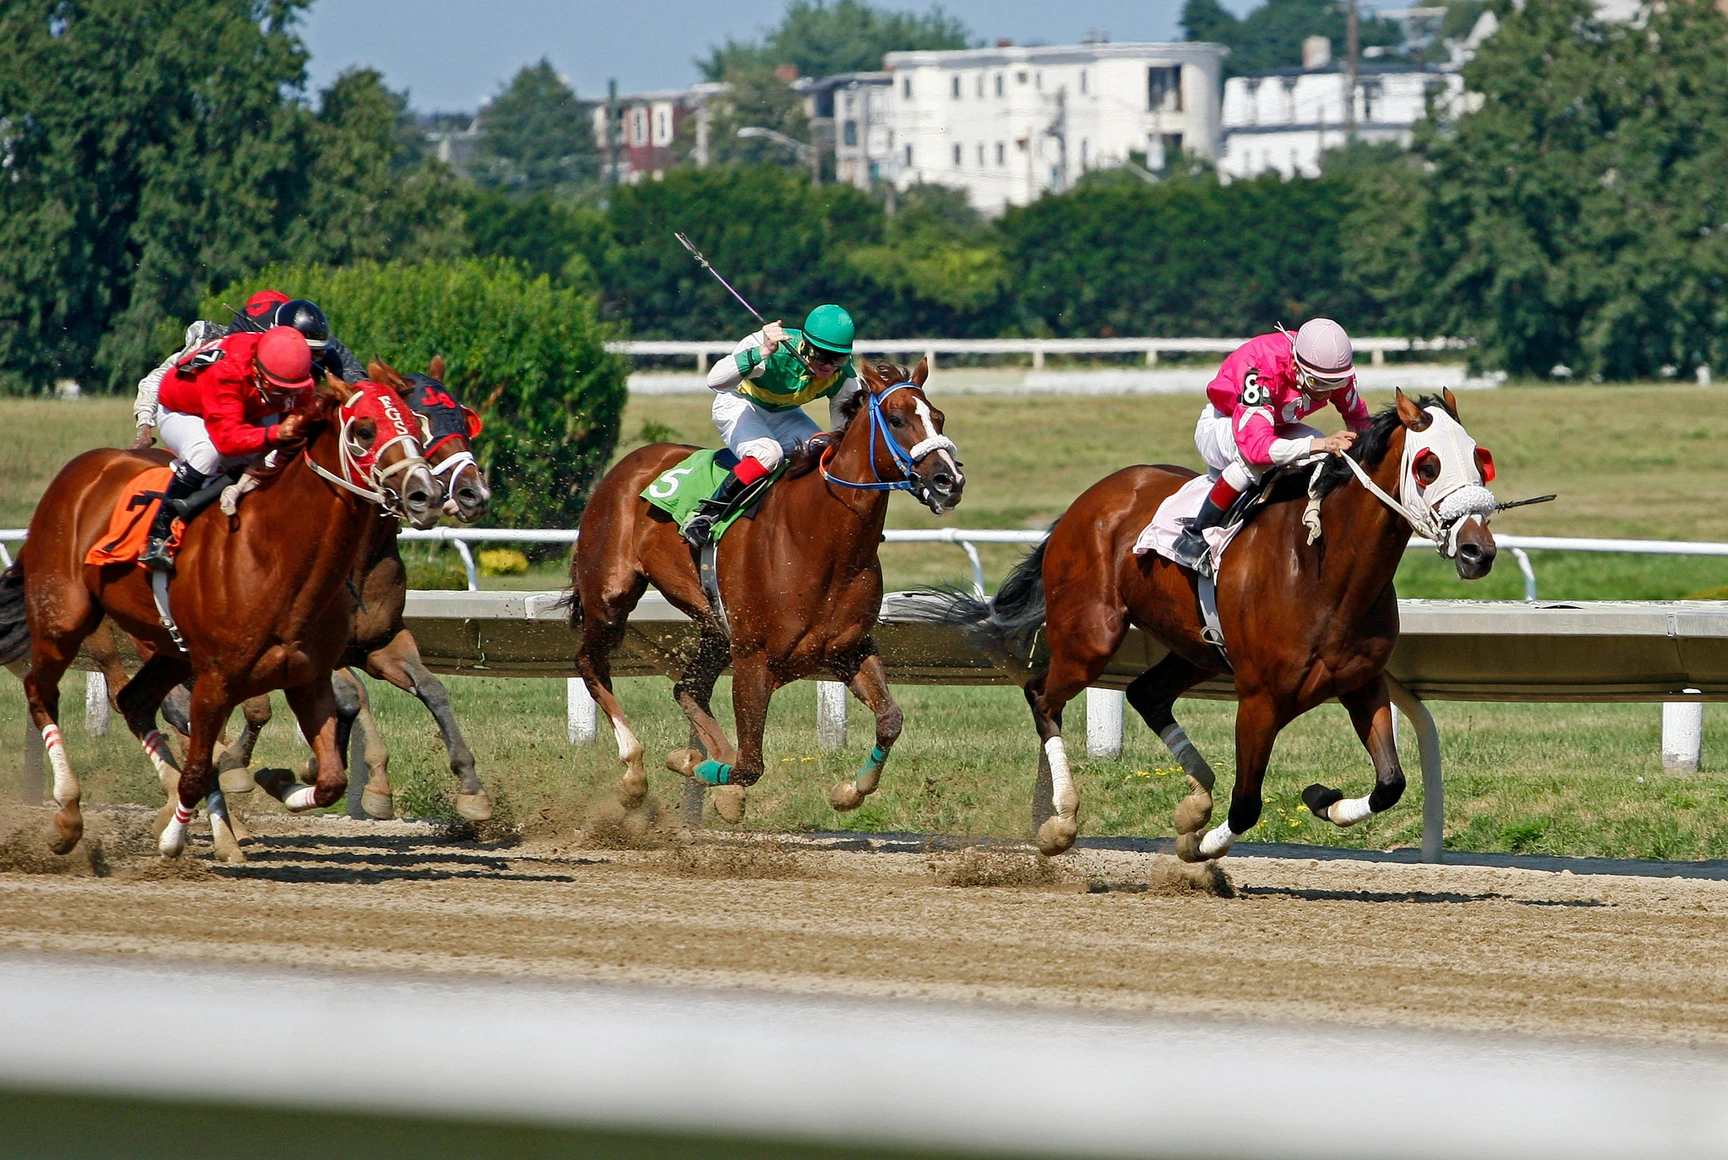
column 219, row 410
column 760, row 390
column 1250, row 422
column 263, row 310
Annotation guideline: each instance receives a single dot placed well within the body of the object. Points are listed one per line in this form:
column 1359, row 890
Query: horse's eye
column 1427, row 468
column 896, row 421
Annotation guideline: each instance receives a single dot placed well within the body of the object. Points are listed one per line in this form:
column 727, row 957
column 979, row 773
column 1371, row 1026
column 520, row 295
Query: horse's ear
column 1410, row 414
column 382, row 372
column 335, row 386
column 1451, row 401
column 436, row 368
column 921, row 371
column 873, row 381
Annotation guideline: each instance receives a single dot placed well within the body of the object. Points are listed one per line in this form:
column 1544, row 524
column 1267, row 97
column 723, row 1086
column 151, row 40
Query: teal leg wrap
column 714, row 773
column 876, row 760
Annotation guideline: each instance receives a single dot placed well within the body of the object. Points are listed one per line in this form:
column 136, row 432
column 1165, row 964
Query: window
column 1164, row 88
column 956, row 93
column 849, row 133
column 1085, row 149
column 1038, row 81
column 998, row 84
column 957, row 156
column 1020, row 77
column 908, row 156
column 1082, row 82
column 980, row 154
column 906, row 87
column 639, row 126
column 1172, row 143
column 980, row 84
column 1001, row 153
column 1370, row 100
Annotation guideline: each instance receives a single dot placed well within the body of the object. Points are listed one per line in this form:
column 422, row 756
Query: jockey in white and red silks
column 1252, row 418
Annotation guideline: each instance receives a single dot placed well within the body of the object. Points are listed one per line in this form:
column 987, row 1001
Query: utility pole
column 612, row 131
column 1353, row 45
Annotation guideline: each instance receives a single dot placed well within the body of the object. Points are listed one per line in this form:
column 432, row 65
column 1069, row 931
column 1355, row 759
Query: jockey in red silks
column 218, row 410
column 1252, row 417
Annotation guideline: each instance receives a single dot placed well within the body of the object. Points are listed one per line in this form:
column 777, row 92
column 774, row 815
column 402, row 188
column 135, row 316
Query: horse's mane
column 1369, row 449
column 317, row 406
column 803, row 460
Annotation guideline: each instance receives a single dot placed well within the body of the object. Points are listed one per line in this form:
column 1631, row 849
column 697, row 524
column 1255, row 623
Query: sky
column 453, row 54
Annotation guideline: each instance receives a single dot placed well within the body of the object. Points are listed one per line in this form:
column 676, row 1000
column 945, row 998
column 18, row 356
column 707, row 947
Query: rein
column 906, row 461
column 379, row 477
column 1426, row 517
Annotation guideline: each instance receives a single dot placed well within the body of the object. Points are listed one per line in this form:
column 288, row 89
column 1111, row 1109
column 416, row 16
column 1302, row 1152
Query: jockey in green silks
column 759, row 392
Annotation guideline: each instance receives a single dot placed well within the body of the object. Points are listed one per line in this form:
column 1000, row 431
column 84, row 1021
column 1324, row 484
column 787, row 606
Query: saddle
column 129, row 525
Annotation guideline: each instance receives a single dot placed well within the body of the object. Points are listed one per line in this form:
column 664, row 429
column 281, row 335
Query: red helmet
column 261, row 307
column 285, row 358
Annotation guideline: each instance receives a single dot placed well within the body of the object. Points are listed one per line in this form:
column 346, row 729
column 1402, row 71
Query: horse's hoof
column 1188, row 848
column 382, row 807
column 1193, row 812
column 236, row 779
column 846, row 796
column 476, row 807
column 683, row 762
column 275, row 782
column 632, row 787
column 729, row 802
column 238, row 825
column 223, row 840
column 1056, row 835
column 68, row 829
column 1319, row 799
column 173, row 840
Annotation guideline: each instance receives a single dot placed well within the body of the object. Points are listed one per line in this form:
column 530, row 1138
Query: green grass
column 1549, row 778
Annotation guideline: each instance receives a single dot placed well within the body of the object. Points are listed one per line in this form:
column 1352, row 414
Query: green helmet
column 830, row 328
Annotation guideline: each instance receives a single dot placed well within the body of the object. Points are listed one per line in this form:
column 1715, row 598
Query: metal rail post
column 1682, row 736
column 95, row 704
column 1433, row 792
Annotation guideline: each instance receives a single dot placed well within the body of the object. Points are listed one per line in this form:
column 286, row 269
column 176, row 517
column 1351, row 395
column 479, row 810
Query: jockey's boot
column 1190, row 548
column 181, row 485
column 700, row 527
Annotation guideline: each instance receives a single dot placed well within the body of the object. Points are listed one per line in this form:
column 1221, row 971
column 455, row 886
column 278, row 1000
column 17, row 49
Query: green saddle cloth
column 679, row 490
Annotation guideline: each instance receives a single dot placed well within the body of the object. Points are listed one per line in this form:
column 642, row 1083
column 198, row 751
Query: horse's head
column 377, row 449
column 447, row 431
column 912, row 445
column 1442, row 482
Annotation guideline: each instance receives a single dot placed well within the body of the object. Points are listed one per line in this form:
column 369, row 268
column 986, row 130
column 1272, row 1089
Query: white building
column 850, row 111
column 1006, row 124
column 1284, row 120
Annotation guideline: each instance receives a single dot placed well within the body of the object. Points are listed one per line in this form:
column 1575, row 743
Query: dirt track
column 1301, row 941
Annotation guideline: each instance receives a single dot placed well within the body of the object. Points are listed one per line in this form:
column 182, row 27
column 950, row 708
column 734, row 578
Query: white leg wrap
column 629, row 749
column 1349, row 811
column 301, row 800
column 1061, row 781
column 174, row 833
column 65, row 784
column 156, row 748
column 1217, row 841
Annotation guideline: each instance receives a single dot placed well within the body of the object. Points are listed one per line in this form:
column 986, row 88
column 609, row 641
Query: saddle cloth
column 1160, row 535
column 679, row 490
column 129, row 526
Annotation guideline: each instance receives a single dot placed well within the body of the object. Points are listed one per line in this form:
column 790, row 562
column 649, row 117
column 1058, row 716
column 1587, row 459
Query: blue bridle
column 902, row 458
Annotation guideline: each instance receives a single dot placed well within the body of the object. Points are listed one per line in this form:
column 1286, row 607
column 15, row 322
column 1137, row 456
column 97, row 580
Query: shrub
column 528, row 356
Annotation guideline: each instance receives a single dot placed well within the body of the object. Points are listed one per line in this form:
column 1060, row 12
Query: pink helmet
column 1323, row 350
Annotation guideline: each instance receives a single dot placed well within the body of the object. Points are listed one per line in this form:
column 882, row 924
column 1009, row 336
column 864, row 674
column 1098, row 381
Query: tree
column 1271, row 36
column 535, row 134
column 820, row 39
column 1578, row 217
column 937, row 247
column 757, row 97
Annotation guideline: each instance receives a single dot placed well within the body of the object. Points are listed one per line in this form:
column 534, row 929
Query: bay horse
column 382, row 644
column 801, row 582
column 1304, row 618
column 259, row 600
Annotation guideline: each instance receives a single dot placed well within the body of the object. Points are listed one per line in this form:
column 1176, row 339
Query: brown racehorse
column 800, row 582
column 382, row 644
column 1303, row 621
column 260, row 599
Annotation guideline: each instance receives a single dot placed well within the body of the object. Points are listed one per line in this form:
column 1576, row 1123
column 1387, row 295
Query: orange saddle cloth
column 129, row 526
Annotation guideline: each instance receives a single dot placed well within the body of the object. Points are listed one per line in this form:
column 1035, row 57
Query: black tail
column 1009, row 621
column 14, row 628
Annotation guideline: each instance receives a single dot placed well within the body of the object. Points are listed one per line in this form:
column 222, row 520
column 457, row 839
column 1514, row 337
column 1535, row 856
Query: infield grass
column 1571, row 779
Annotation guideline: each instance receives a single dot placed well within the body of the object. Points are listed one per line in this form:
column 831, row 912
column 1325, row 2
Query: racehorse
column 800, row 583
column 259, row 600
column 1304, row 617
column 382, row 644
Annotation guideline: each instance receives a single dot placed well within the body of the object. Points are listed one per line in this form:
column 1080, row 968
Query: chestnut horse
column 1304, row 618
column 260, row 600
column 382, row 644
column 801, row 582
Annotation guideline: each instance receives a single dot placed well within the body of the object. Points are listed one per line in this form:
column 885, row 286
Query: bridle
column 906, row 460
column 454, row 466
column 1436, row 511
column 363, row 464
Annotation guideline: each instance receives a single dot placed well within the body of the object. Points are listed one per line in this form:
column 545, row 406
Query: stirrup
column 1192, row 551
column 699, row 529
column 156, row 556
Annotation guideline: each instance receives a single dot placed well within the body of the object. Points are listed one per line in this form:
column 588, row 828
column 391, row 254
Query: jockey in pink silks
column 1251, row 420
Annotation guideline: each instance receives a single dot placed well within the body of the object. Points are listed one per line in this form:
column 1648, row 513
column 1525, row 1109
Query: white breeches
column 757, row 433
column 186, row 436
column 1215, row 437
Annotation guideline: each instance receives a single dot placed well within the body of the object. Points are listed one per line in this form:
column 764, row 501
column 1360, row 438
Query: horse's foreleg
column 752, row 686
column 1048, row 695
column 869, row 683
column 1153, row 695
column 1371, row 712
column 208, row 714
column 1257, row 726
column 314, row 705
column 399, row 663
column 233, row 768
column 375, row 796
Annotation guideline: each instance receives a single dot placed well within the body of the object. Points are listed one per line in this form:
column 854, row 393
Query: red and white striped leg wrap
column 156, row 748
column 173, row 839
column 65, row 784
column 182, row 815
column 304, row 798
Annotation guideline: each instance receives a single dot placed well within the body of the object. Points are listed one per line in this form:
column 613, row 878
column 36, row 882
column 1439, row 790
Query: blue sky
column 452, row 54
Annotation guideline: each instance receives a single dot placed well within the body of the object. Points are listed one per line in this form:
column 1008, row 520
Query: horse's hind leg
column 314, row 705
column 602, row 628
column 693, row 692
column 1371, row 712
column 138, row 702
column 752, row 688
column 53, row 646
column 234, row 766
column 208, row 715
column 399, row 663
column 375, row 796
column 1153, row 695
column 869, row 682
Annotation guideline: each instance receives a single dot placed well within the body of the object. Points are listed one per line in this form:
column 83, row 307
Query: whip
column 1500, row 507
column 709, row 266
